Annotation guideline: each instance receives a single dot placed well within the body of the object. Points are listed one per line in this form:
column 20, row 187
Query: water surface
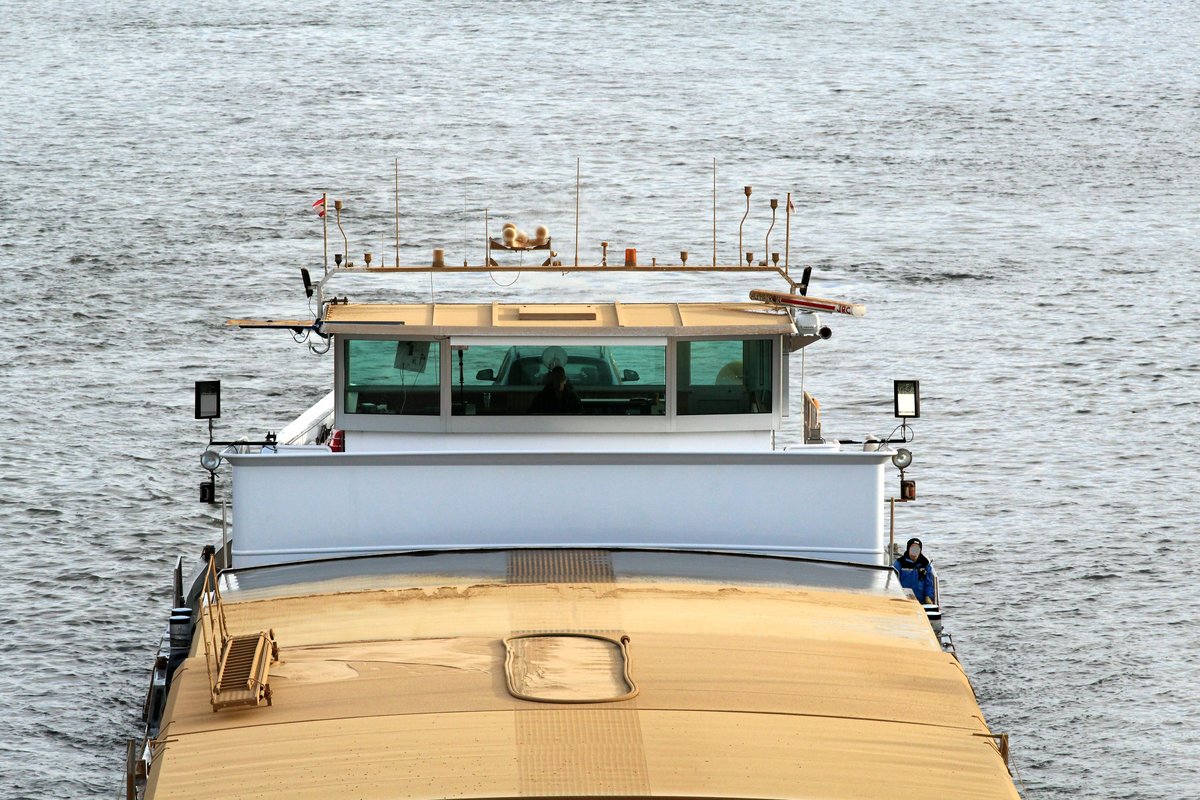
column 1011, row 189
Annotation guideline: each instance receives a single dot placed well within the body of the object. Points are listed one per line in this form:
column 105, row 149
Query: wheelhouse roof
column 606, row 319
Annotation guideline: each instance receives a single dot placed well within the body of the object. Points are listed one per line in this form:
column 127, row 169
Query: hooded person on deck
column 916, row 572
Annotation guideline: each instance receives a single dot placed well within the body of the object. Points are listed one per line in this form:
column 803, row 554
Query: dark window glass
column 724, row 377
column 586, row 380
column 389, row 377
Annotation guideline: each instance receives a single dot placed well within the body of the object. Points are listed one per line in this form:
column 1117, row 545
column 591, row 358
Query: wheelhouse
column 634, row 368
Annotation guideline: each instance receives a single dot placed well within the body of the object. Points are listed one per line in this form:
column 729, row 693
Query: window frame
column 387, row 422
column 761, row 420
column 671, row 421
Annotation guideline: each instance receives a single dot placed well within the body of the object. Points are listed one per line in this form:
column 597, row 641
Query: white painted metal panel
column 699, row 441
column 298, row 507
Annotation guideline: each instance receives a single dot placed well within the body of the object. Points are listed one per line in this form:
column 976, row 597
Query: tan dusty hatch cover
column 568, row 668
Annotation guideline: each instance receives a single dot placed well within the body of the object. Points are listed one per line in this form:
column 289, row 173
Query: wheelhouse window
column 390, row 377
column 724, row 377
column 581, row 380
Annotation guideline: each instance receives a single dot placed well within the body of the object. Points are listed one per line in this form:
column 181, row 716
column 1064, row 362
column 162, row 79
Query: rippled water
column 1011, row 189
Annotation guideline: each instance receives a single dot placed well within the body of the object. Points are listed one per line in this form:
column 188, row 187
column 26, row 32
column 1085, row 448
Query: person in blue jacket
column 916, row 572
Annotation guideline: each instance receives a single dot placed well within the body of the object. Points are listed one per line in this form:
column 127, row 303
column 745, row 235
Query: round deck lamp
column 902, row 458
column 210, row 460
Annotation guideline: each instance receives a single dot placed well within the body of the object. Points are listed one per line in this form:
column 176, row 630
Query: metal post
column 325, row 226
column 739, row 258
column 577, row 211
column 767, row 241
column 397, row 165
column 178, row 581
column 337, row 209
column 130, row 769
column 891, row 553
column 787, row 236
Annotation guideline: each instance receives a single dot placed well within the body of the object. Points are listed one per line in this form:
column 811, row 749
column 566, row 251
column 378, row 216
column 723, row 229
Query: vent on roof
column 552, row 313
column 568, row 667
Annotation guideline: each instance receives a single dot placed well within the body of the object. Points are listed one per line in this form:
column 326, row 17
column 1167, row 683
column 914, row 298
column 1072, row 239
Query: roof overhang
column 590, row 319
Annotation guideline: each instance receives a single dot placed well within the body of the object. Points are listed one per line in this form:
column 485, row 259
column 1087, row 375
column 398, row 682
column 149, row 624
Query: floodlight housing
column 208, row 399
column 906, row 398
column 210, row 460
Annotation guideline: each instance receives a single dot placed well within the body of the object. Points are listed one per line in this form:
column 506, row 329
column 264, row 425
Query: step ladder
column 239, row 667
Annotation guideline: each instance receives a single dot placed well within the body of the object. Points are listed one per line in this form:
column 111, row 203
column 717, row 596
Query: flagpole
column 325, row 233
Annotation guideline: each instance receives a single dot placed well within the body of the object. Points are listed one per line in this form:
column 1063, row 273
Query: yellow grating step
column 237, row 665
column 243, row 675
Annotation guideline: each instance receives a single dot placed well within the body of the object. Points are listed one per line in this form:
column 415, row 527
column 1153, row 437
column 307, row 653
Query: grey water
column 1011, row 188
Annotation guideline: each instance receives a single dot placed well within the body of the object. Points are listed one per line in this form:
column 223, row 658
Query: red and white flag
column 319, row 207
column 790, row 205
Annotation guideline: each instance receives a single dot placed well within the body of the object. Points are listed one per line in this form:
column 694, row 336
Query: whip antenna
column 714, row 212
column 396, row 163
column 577, row 211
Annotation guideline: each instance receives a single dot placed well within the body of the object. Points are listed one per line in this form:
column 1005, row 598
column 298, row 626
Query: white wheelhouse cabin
column 445, row 447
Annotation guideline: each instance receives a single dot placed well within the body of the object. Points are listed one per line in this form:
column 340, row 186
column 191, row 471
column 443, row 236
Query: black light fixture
column 907, row 399
column 208, row 400
column 308, row 287
column 210, row 460
column 902, row 458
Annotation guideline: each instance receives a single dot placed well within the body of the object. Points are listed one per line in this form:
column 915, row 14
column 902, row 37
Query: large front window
column 582, row 380
column 389, row 377
column 724, row 377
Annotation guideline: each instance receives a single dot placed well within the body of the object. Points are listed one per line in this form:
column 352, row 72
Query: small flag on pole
column 790, row 206
column 319, row 207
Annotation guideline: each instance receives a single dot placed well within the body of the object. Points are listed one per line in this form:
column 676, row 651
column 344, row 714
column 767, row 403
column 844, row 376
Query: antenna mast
column 577, row 211
column 396, row 163
column 787, row 236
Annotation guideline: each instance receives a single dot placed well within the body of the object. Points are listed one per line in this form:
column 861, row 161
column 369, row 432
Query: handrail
column 214, row 631
column 563, row 269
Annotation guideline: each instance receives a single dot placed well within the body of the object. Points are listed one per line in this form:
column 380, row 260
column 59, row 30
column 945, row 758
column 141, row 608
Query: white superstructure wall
column 296, row 506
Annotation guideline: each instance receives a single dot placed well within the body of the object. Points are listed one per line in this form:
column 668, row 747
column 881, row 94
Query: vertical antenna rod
column 337, row 209
column 397, row 166
column 714, row 212
column 325, row 226
column 787, row 236
column 767, row 242
column 577, row 211
column 738, row 260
